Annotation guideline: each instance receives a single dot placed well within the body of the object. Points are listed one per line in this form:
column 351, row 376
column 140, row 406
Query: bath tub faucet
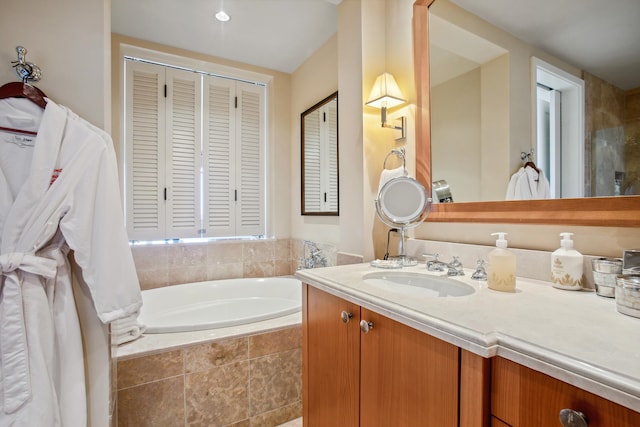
column 315, row 257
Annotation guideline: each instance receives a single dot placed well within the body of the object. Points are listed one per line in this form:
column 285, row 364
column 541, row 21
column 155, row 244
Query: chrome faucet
column 453, row 268
column 315, row 257
column 481, row 272
column 434, row 264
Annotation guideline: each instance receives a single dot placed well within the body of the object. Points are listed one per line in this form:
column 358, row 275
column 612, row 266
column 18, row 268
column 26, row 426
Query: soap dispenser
column 501, row 274
column 566, row 265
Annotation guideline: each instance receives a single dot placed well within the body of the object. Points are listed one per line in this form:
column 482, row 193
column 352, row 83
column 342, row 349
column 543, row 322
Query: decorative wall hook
column 26, row 71
column 524, row 156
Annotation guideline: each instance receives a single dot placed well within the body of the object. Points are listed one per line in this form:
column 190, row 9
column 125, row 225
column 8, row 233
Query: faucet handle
column 455, row 267
column 480, row 273
column 455, row 262
column 434, row 264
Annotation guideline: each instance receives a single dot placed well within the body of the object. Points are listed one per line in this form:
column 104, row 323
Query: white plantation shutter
column 312, row 162
column 250, row 149
column 144, row 157
column 195, row 154
column 183, row 151
column 320, row 127
column 330, row 186
column 219, row 156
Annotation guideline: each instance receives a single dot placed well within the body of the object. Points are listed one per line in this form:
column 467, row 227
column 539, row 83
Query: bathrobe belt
column 14, row 351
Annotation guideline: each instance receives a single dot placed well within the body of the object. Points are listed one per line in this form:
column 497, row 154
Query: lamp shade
column 385, row 92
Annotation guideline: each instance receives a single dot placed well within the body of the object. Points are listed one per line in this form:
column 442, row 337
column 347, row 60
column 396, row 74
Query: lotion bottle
column 501, row 275
column 566, row 265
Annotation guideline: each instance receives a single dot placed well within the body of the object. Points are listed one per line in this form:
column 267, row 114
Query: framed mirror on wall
column 517, row 136
column 319, row 158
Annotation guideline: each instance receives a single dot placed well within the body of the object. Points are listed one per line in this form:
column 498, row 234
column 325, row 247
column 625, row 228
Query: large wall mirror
column 479, row 121
column 319, row 162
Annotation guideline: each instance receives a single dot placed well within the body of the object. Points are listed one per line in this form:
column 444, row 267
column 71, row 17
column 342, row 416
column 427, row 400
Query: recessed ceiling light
column 222, row 16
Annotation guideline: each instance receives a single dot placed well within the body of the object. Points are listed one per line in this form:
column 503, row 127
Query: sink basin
column 410, row 284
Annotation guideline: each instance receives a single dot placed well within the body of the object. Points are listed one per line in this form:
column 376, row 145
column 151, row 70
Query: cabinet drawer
column 523, row 397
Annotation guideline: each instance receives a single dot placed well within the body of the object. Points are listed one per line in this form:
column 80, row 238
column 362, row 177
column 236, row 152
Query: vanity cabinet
column 522, row 397
column 390, row 375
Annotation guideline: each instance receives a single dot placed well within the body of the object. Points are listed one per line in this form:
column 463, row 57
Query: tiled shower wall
column 253, row 381
column 170, row 264
column 612, row 140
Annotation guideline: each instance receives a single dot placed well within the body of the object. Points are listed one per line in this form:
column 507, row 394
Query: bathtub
column 218, row 304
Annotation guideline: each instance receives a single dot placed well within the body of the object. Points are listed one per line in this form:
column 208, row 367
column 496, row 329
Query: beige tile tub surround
column 249, row 381
column 293, row 423
column 172, row 264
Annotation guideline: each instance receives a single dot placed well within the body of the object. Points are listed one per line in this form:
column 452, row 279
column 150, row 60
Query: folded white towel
column 388, row 174
column 126, row 329
column 122, row 325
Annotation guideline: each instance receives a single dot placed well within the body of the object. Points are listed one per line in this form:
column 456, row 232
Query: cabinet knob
column 346, row 316
column 571, row 418
column 365, row 326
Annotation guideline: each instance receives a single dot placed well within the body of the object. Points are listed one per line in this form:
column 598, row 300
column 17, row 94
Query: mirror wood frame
column 621, row 211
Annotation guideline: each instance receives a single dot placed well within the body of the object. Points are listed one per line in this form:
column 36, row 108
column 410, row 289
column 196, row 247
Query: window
column 194, row 154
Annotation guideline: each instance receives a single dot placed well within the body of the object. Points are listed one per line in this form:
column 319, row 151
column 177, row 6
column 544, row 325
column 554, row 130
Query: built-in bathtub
column 219, row 303
column 244, row 368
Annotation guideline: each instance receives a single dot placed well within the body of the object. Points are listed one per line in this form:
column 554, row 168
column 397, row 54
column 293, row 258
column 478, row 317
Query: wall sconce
column 386, row 93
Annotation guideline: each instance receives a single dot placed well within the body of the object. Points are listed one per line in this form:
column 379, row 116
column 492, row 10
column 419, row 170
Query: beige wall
column 495, row 117
column 75, row 69
column 386, row 46
column 520, row 54
column 75, row 74
column 350, row 125
column 470, row 124
column 372, row 38
column 313, row 81
column 456, row 124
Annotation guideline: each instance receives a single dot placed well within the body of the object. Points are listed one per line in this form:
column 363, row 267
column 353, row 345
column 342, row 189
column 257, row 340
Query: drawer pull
column 571, row 418
column 346, row 316
column 365, row 326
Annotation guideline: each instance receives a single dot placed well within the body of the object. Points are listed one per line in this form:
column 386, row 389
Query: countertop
column 574, row 336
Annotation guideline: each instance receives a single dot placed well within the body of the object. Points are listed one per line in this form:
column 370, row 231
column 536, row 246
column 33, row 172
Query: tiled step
column 293, row 423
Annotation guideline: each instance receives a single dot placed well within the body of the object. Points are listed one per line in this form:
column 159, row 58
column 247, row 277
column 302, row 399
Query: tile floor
column 293, row 423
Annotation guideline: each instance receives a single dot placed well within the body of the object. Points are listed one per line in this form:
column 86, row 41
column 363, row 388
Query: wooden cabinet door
column 523, row 397
column 495, row 422
column 331, row 353
column 407, row 378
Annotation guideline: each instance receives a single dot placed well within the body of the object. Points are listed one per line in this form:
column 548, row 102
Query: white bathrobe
column 528, row 184
column 58, row 191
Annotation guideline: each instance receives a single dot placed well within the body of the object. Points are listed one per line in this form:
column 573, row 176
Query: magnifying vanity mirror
column 497, row 152
column 319, row 149
column 402, row 203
